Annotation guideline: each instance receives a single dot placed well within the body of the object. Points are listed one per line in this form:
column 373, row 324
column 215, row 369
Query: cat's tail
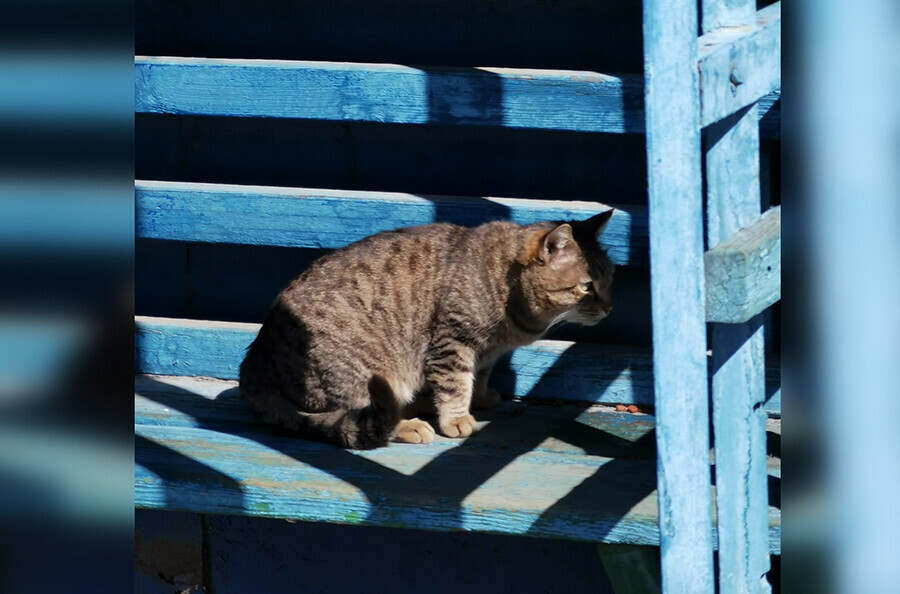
column 359, row 429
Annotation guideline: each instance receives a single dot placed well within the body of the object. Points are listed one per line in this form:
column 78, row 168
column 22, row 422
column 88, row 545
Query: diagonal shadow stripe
column 174, row 470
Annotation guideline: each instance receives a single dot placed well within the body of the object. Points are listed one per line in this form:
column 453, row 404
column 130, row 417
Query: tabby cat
column 370, row 333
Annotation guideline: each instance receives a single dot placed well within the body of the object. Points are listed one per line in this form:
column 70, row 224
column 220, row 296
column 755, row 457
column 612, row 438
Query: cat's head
column 566, row 275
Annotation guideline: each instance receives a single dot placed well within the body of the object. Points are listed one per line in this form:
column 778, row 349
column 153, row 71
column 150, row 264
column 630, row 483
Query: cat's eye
column 585, row 287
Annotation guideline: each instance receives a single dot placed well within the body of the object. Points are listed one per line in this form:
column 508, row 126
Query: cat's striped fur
column 417, row 316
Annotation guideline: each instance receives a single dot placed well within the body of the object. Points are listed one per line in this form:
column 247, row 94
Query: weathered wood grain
column 738, row 357
column 317, row 218
column 512, row 98
column 558, row 472
column 556, row 369
column 743, row 273
column 501, row 97
column 295, row 479
column 739, row 65
column 677, row 293
column 715, row 14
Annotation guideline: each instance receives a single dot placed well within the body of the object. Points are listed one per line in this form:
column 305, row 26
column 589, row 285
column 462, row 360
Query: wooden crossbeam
column 743, row 273
column 316, row 218
column 512, row 98
column 540, row 471
column 739, row 65
column 499, row 97
column 547, row 369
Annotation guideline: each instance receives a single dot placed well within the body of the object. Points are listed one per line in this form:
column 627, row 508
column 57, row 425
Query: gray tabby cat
column 371, row 332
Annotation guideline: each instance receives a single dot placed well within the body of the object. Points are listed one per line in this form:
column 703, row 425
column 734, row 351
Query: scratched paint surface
column 568, row 471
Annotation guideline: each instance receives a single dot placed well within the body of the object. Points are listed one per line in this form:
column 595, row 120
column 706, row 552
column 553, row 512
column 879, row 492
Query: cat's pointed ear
column 556, row 241
column 597, row 223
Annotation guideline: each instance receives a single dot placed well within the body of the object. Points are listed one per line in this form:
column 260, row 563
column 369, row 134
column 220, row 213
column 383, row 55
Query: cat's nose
column 607, row 309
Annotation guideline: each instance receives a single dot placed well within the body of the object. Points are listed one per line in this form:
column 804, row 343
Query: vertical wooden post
column 677, row 294
column 738, row 382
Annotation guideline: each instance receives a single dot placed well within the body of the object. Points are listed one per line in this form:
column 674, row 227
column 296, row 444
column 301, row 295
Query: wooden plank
column 563, row 370
column 295, row 479
column 737, row 363
column 499, row 97
column 739, row 65
column 743, row 273
column 316, row 218
column 546, row 471
column 716, row 14
column 770, row 115
column 388, row 93
column 546, row 369
column 207, row 403
column 677, row 294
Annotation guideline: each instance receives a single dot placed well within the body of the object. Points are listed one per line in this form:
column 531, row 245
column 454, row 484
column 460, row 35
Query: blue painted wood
column 727, row 13
column 500, row 97
column 743, row 272
column 397, row 486
column 316, row 218
column 738, row 381
column 513, row 98
column 677, row 294
column 544, row 471
column 739, row 65
column 568, row 371
column 207, row 403
column 770, row 115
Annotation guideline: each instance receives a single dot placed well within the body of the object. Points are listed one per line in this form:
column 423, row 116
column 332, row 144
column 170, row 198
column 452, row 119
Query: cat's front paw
column 414, row 431
column 459, row 427
column 488, row 399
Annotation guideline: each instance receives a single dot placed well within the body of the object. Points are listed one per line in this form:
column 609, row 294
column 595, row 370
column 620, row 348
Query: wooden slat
column 743, row 273
column 513, row 98
column 499, row 97
column 739, row 65
column 559, row 472
column 677, row 294
column 716, row 14
column 547, row 369
column 314, row 218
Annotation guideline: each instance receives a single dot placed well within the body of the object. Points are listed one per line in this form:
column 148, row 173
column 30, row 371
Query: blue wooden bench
column 557, row 460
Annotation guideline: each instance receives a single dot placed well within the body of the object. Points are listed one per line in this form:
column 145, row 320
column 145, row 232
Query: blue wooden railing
column 738, row 61
column 703, row 104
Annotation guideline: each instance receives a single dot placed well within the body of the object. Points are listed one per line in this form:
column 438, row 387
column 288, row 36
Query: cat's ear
column 542, row 245
column 597, row 223
column 556, row 241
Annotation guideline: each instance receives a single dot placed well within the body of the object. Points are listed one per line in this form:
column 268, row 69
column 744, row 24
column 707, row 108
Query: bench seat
column 561, row 470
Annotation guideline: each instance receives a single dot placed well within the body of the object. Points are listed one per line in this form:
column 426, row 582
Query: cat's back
column 402, row 254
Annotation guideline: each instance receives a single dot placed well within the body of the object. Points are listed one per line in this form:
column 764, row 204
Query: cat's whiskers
column 560, row 320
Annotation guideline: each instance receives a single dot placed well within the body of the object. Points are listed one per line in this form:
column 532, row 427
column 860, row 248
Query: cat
column 371, row 332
